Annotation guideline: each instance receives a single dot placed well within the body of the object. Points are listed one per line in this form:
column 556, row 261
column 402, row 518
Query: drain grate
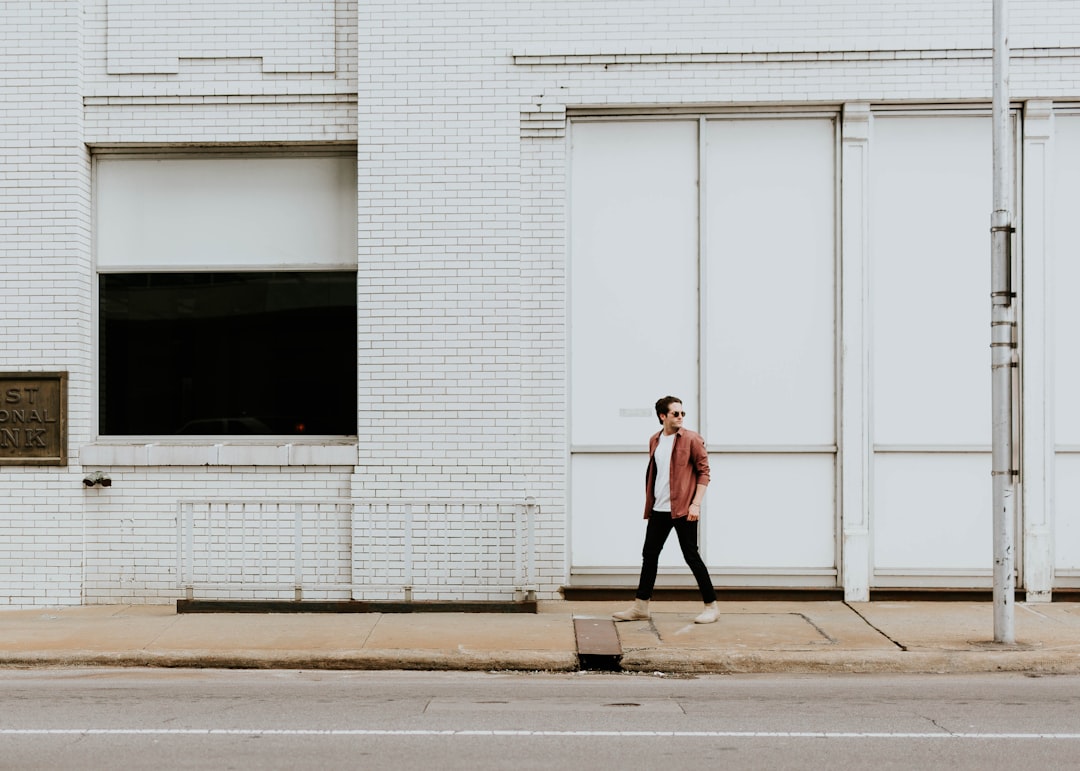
column 598, row 646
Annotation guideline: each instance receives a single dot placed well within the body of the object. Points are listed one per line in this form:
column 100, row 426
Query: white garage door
column 737, row 305
column 930, row 285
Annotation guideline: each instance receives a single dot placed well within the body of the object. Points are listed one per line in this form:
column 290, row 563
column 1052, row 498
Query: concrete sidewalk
column 766, row 636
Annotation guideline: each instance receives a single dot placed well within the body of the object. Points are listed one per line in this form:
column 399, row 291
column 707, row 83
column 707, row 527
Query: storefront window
column 240, row 353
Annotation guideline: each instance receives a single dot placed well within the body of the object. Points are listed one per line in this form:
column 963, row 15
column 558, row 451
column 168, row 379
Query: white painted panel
column 634, row 276
column 930, row 285
column 1065, row 272
column 221, row 213
column 771, row 301
column 1065, row 248
column 932, row 511
column 1067, row 512
column 608, row 528
column 770, row 511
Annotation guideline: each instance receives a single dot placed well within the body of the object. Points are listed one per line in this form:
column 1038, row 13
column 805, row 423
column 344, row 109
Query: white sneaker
column 709, row 615
column 639, row 611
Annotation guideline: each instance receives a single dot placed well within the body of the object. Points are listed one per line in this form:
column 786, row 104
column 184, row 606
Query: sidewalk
column 750, row 637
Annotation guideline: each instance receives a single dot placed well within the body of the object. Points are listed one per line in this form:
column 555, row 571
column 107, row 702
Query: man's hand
column 695, row 512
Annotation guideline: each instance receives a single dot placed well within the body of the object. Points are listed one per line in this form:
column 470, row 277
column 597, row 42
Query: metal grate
column 443, row 549
column 337, row 548
column 256, row 549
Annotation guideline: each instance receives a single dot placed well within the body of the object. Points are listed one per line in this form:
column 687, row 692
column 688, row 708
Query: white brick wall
column 45, row 285
column 146, row 37
column 459, row 112
column 687, row 26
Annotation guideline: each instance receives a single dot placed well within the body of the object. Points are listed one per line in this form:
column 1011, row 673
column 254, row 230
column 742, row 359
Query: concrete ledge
column 693, row 594
column 354, row 606
column 214, row 452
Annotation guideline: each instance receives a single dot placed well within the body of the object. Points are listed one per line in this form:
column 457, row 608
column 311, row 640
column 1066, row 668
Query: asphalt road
column 217, row 719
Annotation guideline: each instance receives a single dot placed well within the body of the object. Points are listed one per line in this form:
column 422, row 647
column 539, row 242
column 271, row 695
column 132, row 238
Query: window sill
column 326, row 451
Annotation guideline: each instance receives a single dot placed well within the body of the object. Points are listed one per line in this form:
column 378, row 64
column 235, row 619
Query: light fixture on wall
column 97, row 479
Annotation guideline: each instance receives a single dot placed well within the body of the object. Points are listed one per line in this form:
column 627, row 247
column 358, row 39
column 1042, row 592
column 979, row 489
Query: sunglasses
column 677, row 414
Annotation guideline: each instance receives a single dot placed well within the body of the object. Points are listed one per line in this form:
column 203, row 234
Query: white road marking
column 519, row 733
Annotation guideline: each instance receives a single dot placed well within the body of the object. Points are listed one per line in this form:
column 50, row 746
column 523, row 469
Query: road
column 218, row 719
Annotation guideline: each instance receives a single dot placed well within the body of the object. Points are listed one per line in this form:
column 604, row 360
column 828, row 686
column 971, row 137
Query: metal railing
column 378, row 549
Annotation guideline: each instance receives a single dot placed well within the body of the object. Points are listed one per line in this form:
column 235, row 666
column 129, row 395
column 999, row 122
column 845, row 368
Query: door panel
column 608, row 529
column 1066, row 279
column 932, row 512
column 770, row 282
column 1065, row 273
column 770, row 320
column 1067, row 514
column 930, row 252
column 634, row 276
column 634, row 319
column 770, row 511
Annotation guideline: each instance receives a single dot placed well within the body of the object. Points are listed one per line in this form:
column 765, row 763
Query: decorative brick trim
column 756, row 57
column 211, row 99
column 544, row 120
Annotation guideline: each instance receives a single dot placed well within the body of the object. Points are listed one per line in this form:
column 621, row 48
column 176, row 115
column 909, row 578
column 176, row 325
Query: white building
column 553, row 212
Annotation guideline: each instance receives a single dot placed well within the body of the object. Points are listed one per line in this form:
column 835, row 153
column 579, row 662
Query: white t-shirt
column 662, row 486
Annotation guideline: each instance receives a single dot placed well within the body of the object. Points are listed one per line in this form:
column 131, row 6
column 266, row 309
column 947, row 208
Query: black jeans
column 659, row 527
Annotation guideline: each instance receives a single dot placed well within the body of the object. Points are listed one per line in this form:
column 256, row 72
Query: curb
column 850, row 662
column 463, row 661
column 650, row 661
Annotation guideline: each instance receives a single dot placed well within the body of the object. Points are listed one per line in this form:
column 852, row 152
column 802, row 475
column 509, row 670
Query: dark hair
column 664, row 404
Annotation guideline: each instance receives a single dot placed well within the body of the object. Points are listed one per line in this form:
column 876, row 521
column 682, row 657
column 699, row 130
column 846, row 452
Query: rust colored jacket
column 689, row 468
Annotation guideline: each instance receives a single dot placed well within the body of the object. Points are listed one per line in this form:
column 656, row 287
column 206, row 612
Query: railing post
column 180, row 535
column 298, row 552
column 530, row 548
column 408, row 551
column 521, row 543
column 189, row 542
column 356, row 511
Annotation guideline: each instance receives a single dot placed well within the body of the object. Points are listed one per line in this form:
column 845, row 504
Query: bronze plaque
column 33, row 418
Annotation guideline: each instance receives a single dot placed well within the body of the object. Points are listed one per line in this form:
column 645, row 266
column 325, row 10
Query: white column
column 1037, row 446
column 854, row 458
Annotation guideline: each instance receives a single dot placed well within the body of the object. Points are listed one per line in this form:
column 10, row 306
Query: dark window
column 228, row 353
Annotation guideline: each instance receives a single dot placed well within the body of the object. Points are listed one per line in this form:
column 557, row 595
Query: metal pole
column 1002, row 341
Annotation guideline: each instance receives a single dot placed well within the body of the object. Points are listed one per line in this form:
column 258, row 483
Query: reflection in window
column 228, row 353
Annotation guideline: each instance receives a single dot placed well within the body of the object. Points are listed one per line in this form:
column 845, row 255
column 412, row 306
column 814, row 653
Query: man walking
column 675, row 483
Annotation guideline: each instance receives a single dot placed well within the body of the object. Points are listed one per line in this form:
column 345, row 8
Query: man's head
column 670, row 413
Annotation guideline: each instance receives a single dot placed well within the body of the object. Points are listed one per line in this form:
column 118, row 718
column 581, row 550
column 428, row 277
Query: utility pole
column 1002, row 341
